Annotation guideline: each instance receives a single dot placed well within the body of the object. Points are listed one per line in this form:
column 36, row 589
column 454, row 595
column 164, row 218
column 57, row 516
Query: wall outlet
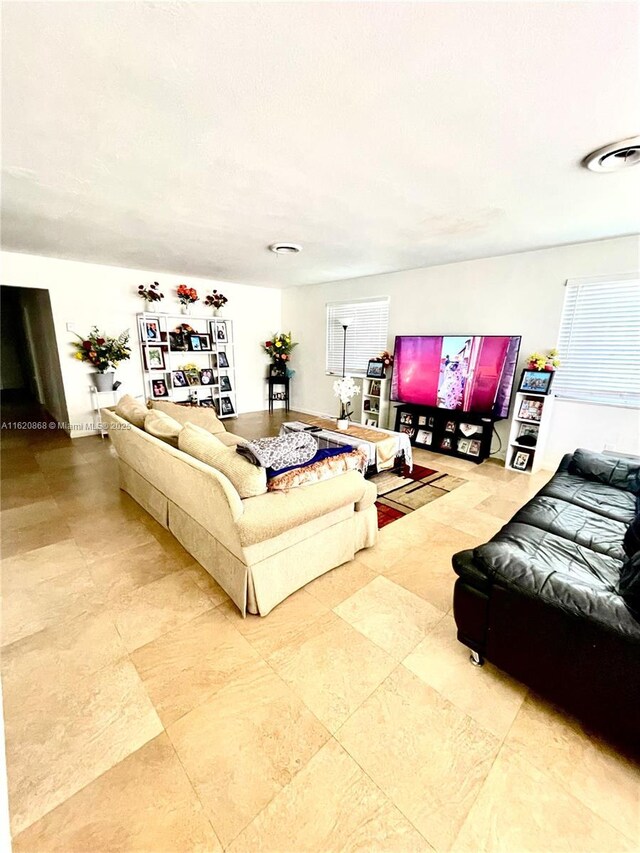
column 609, row 447
column 72, row 327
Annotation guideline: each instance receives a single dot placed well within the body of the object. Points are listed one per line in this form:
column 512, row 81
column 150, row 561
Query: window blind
column 366, row 334
column 599, row 343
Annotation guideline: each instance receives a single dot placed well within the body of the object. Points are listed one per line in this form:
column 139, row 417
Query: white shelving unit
column 166, row 347
column 101, row 400
column 531, row 404
column 375, row 395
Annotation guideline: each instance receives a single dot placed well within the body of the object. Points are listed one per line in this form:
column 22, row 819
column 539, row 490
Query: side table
column 278, row 380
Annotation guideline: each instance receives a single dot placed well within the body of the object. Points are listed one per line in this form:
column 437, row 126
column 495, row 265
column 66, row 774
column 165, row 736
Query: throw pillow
column 163, row 427
column 324, row 469
column 610, row 470
column 203, row 417
column 131, row 410
column 631, row 541
column 247, row 479
column 629, row 586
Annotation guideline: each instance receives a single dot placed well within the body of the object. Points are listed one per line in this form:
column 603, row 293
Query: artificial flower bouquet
column 151, row 293
column 102, row 351
column 279, row 347
column 187, row 295
column 540, row 361
column 215, row 300
column 345, row 390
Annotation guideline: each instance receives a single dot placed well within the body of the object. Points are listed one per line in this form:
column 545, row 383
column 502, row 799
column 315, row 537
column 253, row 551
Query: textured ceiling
column 187, row 137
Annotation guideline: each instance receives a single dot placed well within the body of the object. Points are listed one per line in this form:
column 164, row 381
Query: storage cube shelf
column 374, row 403
column 536, row 408
column 165, row 347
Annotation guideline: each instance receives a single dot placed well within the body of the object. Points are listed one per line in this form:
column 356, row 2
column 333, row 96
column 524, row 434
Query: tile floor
column 143, row 714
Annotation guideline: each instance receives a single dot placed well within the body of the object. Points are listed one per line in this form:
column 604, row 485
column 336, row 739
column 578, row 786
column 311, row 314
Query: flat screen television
column 466, row 373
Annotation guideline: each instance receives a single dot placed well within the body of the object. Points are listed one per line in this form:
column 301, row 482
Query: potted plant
column 186, row 296
column 279, row 348
column 540, row 361
column 345, row 390
column 216, row 301
column 103, row 353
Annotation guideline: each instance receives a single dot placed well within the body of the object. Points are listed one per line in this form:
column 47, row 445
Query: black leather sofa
column 554, row 598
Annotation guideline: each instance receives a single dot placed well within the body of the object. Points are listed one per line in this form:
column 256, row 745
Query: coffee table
column 373, row 439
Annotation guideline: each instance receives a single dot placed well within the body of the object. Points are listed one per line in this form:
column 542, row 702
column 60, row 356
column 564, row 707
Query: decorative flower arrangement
column 215, row 300
column 187, row 295
column 540, row 361
column 386, row 358
column 151, row 293
column 102, row 351
column 345, row 389
column 279, row 347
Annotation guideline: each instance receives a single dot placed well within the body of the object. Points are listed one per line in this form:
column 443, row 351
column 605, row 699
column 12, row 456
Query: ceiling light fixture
column 612, row 158
column 286, row 248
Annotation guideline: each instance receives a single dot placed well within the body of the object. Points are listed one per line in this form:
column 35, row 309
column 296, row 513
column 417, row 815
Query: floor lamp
column 345, row 322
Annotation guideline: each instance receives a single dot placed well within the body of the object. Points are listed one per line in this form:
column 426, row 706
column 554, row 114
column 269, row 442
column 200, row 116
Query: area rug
column 399, row 495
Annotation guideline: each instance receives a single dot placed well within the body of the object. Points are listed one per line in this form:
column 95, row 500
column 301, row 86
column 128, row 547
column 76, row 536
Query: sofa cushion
column 595, row 496
column 631, row 541
column 132, row 410
column 248, row 479
column 576, row 523
column 163, row 427
column 199, row 415
column 610, row 470
column 630, row 584
column 230, row 440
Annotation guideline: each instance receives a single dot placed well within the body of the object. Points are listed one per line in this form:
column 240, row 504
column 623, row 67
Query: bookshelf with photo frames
column 462, row 434
column 374, row 402
column 188, row 360
column 528, row 433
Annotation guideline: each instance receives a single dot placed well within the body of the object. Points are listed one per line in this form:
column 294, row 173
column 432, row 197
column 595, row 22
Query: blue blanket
column 325, row 453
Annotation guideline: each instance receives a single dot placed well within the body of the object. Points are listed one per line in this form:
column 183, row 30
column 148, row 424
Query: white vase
column 343, row 423
column 104, row 381
column 185, row 309
column 215, row 312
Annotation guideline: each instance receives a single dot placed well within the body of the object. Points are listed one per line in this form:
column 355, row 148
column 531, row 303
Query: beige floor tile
column 598, row 776
column 428, row 757
column 61, row 745
column 333, row 587
column 18, row 491
column 120, row 573
column 330, row 805
column 29, row 514
column 285, row 624
column 390, row 547
column 244, row 744
column 61, row 457
column 487, row 695
column 38, row 534
column 500, row 507
column 521, row 809
column 41, row 564
column 390, row 616
column 201, row 577
column 473, row 521
column 333, row 668
column 17, row 463
column 149, row 611
column 145, row 804
column 113, row 532
column 183, row 668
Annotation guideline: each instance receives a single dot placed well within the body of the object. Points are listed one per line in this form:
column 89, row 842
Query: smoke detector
column 618, row 155
column 286, row 248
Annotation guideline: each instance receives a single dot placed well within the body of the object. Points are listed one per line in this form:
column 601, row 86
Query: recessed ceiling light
column 618, row 155
column 286, row 248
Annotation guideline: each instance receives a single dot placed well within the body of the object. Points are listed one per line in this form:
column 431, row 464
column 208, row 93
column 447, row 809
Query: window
column 599, row 344
column 366, row 334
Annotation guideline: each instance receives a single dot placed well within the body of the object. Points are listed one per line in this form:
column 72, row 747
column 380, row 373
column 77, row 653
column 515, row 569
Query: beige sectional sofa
column 259, row 549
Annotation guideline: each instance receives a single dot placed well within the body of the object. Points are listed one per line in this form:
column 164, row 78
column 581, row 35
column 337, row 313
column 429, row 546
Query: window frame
column 342, row 306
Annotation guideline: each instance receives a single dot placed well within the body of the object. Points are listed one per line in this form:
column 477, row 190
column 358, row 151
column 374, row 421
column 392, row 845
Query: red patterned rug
column 400, row 495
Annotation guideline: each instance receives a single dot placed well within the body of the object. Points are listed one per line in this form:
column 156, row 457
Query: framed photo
column 536, row 381
column 406, row 418
column 277, row 369
column 474, row 447
column 463, row 445
column 431, row 423
column 366, row 405
column 423, row 436
column 528, row 434
column 155, row 358
column 375, row 369
column 151, row 330
column 374, row 389
column 445, row 444
column 195, row 344
column 179, row 379
column 207, row 402
column 530, row 410
column 221, row 360
column 221, row 333
column 521, row 460
column 450, row 426
column 371, row 422
column 227, row 406
column 408, row 430
column 225, row 383
column 178, row 342
column 470, row 429
column 193, row 378
column 422, row 420
column 205, row 343
column 206, row 376
column 159, row 388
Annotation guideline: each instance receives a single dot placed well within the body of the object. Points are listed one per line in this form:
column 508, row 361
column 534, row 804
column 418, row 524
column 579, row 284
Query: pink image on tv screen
column 472, row 373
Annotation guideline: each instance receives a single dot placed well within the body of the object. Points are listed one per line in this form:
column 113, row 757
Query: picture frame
column 179, row 379
column 227, row 406
column 220, row 360
column 370, row 422
column 206, row 376
column 205, row 343
column 221, row 335
column 530, row 410
column 408, row 430
column 225, row 383
column 375, row 369
column 463, row 445
column 424, row 436
column 406, row 418
column 194, row 343
column 431, row 423
column 207, row 402
column 422, row 420
column 366, row 405
column 374, row 389
column 159, row 388
column 193, row 378
column 277, row 369
column 535, row 381
column 450, row 426
column 151, row 330
column 520, row 460
column 528, row 434
column 474, row 447
column 445, row 444
column 154, row 357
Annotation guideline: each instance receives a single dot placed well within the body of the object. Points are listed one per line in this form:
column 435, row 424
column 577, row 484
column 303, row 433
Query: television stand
column 461, row 434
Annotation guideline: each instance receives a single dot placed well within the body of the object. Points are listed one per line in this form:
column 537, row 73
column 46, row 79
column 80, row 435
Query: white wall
column 93, row 294
column 513, row 294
